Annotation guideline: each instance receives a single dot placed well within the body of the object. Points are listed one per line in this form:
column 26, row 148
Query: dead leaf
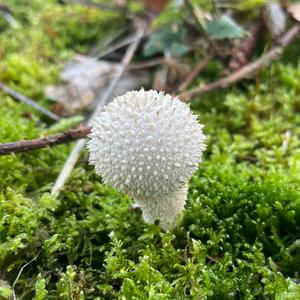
column 294, row 10
column 83, row 79
column 130, row 81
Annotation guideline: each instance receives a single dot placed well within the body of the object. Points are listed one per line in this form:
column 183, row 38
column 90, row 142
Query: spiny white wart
column 148, row 144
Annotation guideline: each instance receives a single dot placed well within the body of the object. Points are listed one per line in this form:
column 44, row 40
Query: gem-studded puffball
column 148, row 144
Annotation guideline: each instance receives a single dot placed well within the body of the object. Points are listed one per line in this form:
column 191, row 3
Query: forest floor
column 240, row 234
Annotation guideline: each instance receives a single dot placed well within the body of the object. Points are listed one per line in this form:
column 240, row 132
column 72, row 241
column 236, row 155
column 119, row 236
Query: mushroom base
column 166, row 209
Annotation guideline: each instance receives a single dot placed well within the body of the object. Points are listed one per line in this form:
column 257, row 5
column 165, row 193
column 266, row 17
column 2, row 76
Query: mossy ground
column 240, row 235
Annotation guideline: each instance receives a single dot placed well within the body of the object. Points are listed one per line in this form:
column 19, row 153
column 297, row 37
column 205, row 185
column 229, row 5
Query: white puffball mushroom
column 148, row 144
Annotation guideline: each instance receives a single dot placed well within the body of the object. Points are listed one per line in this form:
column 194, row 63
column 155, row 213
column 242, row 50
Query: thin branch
column 121, row 44
column 50, row 141
column 74, row 155
column 247, row 70
column 24, row 99
column 94, row 51
column 8, row 16
column 19, row 274
column 202, row 64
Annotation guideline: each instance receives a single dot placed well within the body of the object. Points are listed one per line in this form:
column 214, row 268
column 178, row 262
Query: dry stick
column 108, row 42
column 122, row 44
column 28, row 101
column 19, row 274
column 8, row 16
column 30, row 145
column 202, row 64
column 74, row 155
column 247, row 70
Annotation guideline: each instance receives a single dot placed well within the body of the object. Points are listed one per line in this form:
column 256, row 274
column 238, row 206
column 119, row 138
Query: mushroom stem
column 167, row 210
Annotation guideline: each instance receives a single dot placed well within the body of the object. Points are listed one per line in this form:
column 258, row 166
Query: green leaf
column 170, row 38
column 177, row 50
column 224, row 28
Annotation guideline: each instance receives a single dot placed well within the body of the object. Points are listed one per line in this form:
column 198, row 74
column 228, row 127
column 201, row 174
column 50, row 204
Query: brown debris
column 247, row 70
column 242, row 53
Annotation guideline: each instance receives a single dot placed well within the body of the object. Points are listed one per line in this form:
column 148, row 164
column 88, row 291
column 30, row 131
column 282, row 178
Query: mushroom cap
column 146, row 143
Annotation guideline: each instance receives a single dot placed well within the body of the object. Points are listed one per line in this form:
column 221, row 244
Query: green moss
column 239, row 238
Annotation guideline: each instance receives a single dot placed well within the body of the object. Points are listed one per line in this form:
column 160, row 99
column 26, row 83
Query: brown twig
column 202, row 64
column 210, row 258
column 20, row 273
column 247, row 70
column 50, row 141
column 122, row 44
column 24, row 99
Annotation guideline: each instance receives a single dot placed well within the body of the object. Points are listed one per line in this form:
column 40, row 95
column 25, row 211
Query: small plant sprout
column 148, row 144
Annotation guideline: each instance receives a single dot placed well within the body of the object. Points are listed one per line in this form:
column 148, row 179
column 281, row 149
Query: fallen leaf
column 171, row 38
column 83, row 79
column 223, row 28
column 130, row 81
